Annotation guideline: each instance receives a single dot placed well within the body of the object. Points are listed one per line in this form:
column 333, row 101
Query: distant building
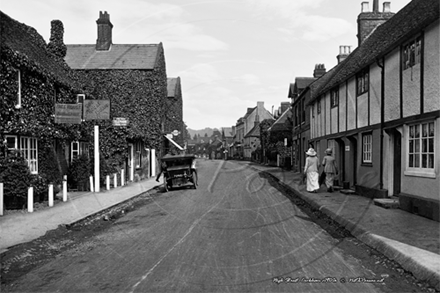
column 244, row 144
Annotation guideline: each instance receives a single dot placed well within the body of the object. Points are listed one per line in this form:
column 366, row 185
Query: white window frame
column 29, row 149
column 138, row 154
column 18, row 103
column 367, row 148
column 16, row 141
column 420, row 171
column 412, row 52
column 82, row 147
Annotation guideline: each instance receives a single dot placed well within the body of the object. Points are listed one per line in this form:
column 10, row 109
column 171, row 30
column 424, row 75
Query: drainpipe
column 381, row 64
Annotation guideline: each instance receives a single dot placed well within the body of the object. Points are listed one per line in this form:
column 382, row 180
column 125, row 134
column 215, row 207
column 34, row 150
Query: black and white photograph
column 220, row 146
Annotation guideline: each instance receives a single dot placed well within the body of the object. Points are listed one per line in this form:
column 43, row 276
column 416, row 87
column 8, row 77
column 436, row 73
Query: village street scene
column 121, row 173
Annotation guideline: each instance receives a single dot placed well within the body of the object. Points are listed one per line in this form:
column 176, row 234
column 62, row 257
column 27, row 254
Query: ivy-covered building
column 133, row 77
column 174, row 106
column 33, row 78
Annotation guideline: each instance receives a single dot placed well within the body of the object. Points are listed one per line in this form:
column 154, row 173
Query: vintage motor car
column 180, row 171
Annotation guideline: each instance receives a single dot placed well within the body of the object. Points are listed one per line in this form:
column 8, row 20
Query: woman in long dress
column 330, row 169
column 311, row 170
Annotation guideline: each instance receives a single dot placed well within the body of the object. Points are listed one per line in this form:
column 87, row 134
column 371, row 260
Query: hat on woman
column 328, row 151
column 311, row 152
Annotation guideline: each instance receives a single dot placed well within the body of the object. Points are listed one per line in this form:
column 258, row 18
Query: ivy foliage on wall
column 139, row 96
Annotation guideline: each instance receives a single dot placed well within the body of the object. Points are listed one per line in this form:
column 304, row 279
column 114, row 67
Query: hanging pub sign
column 96, row 109
column 68, row 113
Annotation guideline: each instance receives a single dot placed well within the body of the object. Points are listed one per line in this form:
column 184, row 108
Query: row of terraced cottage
column 35, row 76
column 378, row 109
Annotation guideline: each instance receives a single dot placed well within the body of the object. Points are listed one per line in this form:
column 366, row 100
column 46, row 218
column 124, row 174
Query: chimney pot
column 365, row 7
column 386, row 7
column 319, row 70
column 344, row 51
column 376, row 6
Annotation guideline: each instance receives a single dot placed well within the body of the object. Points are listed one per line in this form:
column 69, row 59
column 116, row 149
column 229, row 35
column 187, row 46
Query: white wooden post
column 65, row 190
column 30, row 199
column 96, row 151
column 1, row 199
column 115, row 180
column 51, row 195
column 153, row 162
column 91, row 183
column 107, row 182
column 122, row 177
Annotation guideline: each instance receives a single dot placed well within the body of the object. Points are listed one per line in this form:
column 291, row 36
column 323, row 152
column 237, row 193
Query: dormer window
column 412, row 53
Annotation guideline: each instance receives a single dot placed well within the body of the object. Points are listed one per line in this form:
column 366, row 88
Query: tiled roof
column 172, row 84
column 136, row 56
column 409, row 20
column 249, row 111
column 317, row 86
column 227, row 131
column 25, row 41
column 303, row 82
column 254, row 132
column 282, row 122
column 299, row 85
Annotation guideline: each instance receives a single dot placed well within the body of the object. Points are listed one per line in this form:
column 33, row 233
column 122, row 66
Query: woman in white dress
column 311, row 170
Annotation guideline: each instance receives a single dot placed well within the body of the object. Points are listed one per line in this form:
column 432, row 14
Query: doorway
column 397, row 166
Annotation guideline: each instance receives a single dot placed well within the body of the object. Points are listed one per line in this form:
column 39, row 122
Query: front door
column 397, row 165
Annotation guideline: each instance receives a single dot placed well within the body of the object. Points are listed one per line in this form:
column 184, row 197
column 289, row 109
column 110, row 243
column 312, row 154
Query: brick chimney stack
column 344, row 51
column 369, row 20
column 319, row 70
column 105, row 27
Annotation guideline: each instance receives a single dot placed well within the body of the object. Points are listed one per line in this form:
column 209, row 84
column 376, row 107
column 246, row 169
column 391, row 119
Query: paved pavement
column 411, row 240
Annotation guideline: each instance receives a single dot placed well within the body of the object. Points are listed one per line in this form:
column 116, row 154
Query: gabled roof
column 254, row 132
column 249, row 112
column 299, row 85
column 125, row 56
column 173, row 84
column 227, row 131
column 281, row 123
column 317, row 86
column 25, row 42
column 409, row 20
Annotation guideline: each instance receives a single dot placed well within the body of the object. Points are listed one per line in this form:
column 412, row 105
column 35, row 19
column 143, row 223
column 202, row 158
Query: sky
column 229, row 54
